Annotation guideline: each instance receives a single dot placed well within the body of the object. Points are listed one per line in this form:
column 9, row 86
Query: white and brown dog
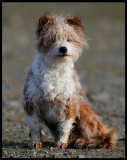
column 52, row 92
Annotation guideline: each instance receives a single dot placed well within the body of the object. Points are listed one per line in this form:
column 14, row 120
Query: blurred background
column 101, row 69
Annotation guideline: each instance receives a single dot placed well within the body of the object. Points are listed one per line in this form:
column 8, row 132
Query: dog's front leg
column 64, row 132
column 35, row 131
column 65, row 127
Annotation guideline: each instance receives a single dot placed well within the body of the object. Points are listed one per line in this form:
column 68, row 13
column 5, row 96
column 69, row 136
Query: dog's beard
column 59, row 62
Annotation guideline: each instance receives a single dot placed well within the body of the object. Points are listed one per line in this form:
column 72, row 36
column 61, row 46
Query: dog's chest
column 57, row 85
column 50, row 114
column 57, row 89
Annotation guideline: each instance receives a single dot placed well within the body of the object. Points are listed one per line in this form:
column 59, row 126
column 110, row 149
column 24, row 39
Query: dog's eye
column 69, row 40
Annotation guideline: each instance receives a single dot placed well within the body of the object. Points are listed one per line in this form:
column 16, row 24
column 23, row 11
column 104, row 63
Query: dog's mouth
column 62, row 55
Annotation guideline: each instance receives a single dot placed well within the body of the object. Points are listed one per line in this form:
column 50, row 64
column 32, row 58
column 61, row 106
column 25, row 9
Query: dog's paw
column 36, row 144
column 61, row 145
column 79, row 143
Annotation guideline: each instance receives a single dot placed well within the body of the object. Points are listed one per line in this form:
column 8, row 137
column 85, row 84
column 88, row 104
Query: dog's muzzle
column 63, row 52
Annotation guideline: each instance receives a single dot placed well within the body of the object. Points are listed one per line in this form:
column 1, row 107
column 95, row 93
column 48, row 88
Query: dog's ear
column 74, row 21
column 43, row 21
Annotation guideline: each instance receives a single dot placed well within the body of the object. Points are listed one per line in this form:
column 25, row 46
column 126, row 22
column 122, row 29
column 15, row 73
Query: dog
column 52, row 92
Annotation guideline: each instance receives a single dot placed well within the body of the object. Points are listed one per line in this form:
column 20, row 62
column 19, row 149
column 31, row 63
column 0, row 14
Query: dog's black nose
column 63, row 50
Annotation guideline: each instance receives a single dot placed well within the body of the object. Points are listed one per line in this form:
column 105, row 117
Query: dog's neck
column 51, row 67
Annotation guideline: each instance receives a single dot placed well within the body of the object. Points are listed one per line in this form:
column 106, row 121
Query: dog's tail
column 108, row 140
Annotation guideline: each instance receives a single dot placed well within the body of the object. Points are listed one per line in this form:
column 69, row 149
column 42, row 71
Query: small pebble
column 81, row 156
column 5, row 152
column 46, row 152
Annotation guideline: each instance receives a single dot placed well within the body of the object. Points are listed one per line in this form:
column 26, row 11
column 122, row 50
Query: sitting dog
column 52, row 92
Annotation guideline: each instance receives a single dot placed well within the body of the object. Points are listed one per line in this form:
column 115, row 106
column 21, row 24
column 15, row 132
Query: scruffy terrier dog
column 52, row 93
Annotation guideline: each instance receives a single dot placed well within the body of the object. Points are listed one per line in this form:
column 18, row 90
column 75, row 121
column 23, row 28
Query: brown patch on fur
column 76, row 133
column 88, row 129
column 44, row 45
column 108, row 140
column 29, row 110
column 90, row 118
column 43, row 23
column 78, row 42
column 96, row 130
column 95, row 136
column 71, row 111
column 74, row 21
column 77, row 25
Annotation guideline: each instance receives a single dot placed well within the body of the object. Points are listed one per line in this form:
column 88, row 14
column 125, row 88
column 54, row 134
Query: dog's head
column 60, row 39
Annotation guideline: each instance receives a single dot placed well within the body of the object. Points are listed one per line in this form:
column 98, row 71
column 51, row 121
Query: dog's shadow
column 24, row 145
